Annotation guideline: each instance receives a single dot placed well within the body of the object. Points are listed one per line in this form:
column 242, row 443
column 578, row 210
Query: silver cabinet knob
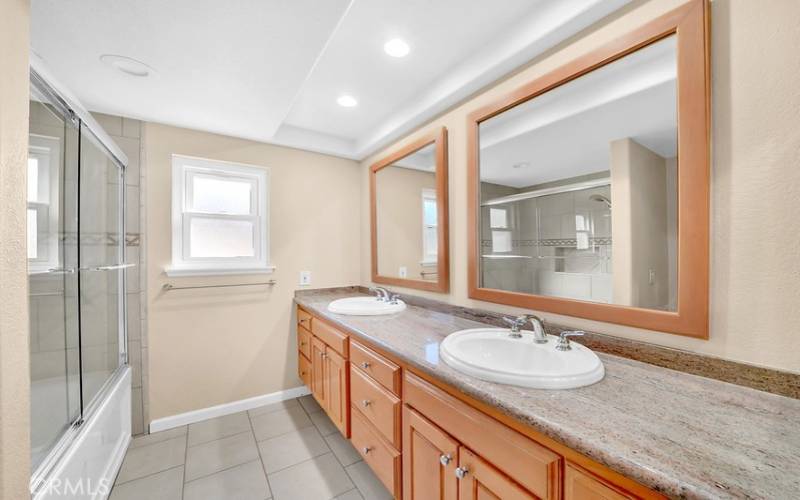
column 445, row 459
column 461, row 472
column 366, row 402
column 365, row 365
column 366, row 449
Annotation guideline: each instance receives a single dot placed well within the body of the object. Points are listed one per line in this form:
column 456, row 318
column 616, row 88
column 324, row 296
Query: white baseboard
column 190, row 417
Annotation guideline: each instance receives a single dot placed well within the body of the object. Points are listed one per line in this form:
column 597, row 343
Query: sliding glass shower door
column 76, row 242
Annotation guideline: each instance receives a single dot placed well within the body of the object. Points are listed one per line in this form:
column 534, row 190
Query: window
column 501, row 233
column 430, row 228
column 42, row 197
column 220, row 221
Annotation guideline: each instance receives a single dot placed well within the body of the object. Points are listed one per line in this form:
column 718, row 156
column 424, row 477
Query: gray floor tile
column 309, row 403
column 214, row 456
column 279, row 422
column 290, row 449
column 343, row 449
column 164, row 485
column 319, row 478
column 367, row 482
column 243, row 482
column 218, row 428
column 152, row 458
column 323, row 423
column 280, row 405
column 157, row 437
column 350, row 495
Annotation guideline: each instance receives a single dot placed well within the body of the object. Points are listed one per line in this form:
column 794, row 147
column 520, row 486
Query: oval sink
column 491, row 354
column 365, row 306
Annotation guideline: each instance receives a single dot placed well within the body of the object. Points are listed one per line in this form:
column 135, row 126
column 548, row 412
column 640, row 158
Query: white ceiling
column 271, row 70
column 566, row 132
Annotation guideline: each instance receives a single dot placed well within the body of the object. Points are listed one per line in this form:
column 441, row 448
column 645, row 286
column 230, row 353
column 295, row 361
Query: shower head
column 602, row 199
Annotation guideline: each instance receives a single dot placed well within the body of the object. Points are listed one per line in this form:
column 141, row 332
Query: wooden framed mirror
column 589, row 186
column 409, row 215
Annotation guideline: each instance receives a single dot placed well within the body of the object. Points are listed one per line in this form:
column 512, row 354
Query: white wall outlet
column 305, row 278
column 403, row 272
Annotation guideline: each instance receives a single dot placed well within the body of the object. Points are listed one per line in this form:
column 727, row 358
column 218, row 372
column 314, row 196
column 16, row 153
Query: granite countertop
column 679, row 434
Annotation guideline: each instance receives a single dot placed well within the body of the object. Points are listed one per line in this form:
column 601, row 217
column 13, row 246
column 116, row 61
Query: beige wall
column 639, row 225
column 755, row 269
column 14, row 347
column 208, row 347
column 399, row 207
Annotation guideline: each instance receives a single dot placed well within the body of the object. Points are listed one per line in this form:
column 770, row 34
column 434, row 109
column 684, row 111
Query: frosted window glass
column 33, row 180
column 501, row 241
column 33, row 238
column 220, row 195
column 498, row 218
column 209, row 237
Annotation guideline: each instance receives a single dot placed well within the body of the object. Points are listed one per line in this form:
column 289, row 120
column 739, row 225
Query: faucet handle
column 515, row 323
column 563, row 339
column 393, row 298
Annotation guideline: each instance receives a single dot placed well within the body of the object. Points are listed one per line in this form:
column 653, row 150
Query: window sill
column 174, row 271
column 428, row 263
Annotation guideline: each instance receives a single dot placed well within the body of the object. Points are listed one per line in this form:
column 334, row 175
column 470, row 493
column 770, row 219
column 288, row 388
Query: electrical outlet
column 403, row 272
column 305, row 278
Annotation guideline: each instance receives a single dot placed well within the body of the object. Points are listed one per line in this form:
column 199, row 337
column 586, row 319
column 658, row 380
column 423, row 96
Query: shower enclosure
column 76, row 263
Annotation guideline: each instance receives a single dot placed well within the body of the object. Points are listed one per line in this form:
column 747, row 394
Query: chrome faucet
column 393, row 297
column 381, row 293
column 539, row 335
column 563, row 340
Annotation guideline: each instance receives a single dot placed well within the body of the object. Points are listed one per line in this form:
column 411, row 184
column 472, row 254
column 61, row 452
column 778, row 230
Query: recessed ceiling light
column 524, row 164
column 347, row 101
column 127, row 65
column 396, row 48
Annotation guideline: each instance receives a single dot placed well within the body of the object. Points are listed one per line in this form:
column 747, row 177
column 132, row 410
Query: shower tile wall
column 127, row 133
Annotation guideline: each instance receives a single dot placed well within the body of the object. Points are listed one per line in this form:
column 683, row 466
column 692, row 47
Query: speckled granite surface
column 680, row 434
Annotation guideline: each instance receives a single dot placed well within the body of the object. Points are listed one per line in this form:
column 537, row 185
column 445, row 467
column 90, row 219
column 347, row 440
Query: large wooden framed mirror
column 589, row 186
column 409, row 215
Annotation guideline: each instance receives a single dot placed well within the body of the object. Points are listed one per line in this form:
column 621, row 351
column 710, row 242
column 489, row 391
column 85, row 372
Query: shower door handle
column 61, row 270
column 108, row 268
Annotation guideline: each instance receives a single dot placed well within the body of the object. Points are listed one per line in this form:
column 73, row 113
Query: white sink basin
column 365, row 306
column 491, row 354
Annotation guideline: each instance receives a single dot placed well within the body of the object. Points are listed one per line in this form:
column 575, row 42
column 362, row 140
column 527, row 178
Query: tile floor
column 286, row 451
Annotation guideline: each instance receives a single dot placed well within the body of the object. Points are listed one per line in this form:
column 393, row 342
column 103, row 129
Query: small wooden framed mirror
column 409, row 215
column 589, row 186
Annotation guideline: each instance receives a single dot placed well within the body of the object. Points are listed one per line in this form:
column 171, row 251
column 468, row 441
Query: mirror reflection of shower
column 601, row 199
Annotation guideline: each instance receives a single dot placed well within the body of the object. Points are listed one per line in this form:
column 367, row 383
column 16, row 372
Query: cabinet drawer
column 304, row 369
column 304, row 341
column 534, row 467
column 376, row 366
column 377, row 404
column 303, row 318
column 384, row 460
column 331, row 336
column 579, row 484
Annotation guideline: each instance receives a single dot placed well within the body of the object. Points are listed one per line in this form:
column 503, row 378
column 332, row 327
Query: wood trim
column 442, row 284
column 690, row 22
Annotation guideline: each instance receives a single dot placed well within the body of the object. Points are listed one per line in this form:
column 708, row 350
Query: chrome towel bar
column 168, row 286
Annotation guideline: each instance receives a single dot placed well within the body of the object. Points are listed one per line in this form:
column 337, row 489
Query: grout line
column 260, row 458
column 185, row 461
column 146, row 476
column 329, row 452
column 215, row 439
column 221, row 470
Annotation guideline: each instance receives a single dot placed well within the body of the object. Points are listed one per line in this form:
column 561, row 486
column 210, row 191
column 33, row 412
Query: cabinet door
column 336, row 393
column 579, row 485
column 429, row 460
column 318, row 371
column 481, row 481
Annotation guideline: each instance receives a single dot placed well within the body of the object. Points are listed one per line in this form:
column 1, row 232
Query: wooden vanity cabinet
column 335, row 381
column 580, row 484
column 430, row 458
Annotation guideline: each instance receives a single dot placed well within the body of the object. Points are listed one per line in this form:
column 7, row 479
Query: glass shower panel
column 52, row 278
column 101, row 255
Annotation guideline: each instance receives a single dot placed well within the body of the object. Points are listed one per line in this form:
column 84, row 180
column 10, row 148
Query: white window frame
column 47, row 149
column 184, row 169
column 427, row 258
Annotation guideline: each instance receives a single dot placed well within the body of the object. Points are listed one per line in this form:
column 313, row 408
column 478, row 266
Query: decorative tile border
column 743, row 374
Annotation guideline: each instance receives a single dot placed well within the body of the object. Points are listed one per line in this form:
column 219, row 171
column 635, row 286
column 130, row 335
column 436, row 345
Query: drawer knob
column 302, row 343
column 461, row 472
column 445, row 459
column 365, row 365
column 367, row 449
column 366, row 403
